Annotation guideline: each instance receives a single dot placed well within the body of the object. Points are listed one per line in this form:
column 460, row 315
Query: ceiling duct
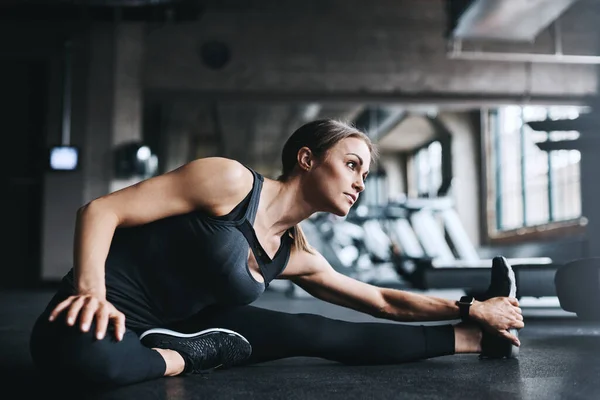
column 507, row 20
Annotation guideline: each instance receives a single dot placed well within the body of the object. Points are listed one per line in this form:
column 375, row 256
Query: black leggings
column 64, row 351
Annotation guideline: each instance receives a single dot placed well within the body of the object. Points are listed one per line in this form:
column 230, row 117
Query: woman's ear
column 305, row 158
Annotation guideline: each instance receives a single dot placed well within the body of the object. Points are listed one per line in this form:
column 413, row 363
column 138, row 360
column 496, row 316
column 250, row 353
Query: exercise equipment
column 419, row 243
column 433, row 251
column 578, row 287
column 342, row 242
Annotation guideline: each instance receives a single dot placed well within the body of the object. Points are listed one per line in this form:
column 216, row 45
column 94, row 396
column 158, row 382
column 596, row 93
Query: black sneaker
column 503, row 284
column 202, row 351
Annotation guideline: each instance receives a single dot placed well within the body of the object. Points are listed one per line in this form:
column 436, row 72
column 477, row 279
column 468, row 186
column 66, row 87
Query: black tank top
column 178, row 265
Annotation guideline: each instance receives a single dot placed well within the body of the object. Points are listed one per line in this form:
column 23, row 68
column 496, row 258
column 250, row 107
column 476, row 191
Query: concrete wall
column 64, row 192
column 106, row 112
column 347, row 50
column 466, row 166
column 393, row 48
column 393, row 164
column 590, row 194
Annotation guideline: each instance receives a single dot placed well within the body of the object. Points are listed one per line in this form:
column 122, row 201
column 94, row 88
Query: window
column 427, row 170
column 532, row 187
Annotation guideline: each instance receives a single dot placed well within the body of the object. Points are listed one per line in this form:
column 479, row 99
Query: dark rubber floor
column 559, row 359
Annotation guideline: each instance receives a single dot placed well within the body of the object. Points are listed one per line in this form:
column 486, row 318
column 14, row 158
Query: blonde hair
column 319, row 136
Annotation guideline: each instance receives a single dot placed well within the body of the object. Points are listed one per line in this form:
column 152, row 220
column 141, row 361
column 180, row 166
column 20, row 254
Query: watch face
column 467, row 299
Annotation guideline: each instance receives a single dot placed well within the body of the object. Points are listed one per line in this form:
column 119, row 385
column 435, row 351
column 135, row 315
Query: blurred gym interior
column 485, row 113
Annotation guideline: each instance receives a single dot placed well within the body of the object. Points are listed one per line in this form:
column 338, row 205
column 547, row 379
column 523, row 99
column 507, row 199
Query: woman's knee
column 65, row 351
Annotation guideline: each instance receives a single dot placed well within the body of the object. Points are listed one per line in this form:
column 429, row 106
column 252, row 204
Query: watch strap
column 464, row 306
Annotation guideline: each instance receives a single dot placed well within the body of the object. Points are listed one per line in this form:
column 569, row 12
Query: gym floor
column 559, row 359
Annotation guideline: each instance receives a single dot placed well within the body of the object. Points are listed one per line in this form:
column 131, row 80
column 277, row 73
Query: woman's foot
column 202, row 351
column 502, row 284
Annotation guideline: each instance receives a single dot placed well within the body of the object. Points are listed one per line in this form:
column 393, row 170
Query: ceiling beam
column 448, row 100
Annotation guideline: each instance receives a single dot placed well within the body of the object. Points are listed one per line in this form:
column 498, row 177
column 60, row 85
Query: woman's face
column 336, row 181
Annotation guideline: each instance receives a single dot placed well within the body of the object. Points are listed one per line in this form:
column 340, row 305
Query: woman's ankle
column 467, row 338
column 175, row 364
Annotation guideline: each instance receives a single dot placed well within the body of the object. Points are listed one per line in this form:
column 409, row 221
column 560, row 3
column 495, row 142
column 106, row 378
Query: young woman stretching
column 164, row 271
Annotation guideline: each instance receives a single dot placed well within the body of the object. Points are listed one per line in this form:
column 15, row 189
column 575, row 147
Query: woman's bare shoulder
column 215, row 185
column 222, row 169
column 228, row 182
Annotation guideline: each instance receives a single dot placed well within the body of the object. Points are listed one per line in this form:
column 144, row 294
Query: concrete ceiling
column 410, row 133
column 252, row 132
column 268, row 90
column 255, row 133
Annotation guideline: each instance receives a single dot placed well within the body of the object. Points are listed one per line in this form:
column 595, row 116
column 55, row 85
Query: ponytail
column 300, row 242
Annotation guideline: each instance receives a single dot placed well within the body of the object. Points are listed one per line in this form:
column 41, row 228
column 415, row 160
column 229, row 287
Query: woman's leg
column 64, row 352
column 275, row 335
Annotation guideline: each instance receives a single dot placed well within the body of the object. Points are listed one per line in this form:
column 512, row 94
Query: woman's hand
column 498, row 315
column 89, row 307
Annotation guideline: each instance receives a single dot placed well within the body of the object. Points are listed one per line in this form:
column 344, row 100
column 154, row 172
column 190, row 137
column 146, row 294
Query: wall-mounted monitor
column 63, row 158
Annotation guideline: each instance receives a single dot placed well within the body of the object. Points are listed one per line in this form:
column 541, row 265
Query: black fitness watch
column 464, row 304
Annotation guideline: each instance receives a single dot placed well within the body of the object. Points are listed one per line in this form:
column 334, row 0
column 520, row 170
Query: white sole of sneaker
column 514, row 352
column 187, row 335
column 511, row 275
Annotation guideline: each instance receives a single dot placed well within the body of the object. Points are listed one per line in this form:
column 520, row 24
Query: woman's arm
column 313, row 273
column 214, row 184
column 94, row 229
column 419, row 307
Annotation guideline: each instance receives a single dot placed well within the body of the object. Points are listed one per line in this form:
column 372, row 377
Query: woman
column 164, row 270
